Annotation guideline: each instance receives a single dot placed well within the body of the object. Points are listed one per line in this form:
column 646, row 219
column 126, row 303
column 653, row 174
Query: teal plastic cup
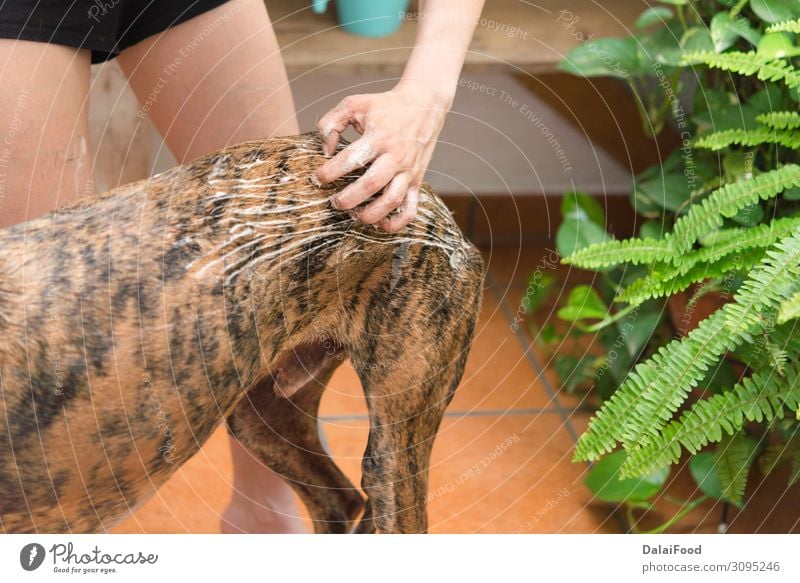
column 371, row 17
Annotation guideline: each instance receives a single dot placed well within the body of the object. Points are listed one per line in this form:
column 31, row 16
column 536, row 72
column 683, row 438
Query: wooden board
column 530, row 36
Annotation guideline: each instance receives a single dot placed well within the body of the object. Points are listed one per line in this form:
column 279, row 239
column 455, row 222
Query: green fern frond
column 702, row 218
column 663, row 391
column 733, row 458
column 671, row 279
column 755, row 137
column 771, row 458
column 778, row 454
column 774, row 456
column 724, row 241
column 727, row 241
column 777, row 356
column 749, row 63
column 786, row 26
column 709, row 214
column 762, row 397
column 787, row 337
column 654, row 389
column 790, row 309
column 611, row 253
column 660, row 385
column 769, row 285
column 780, row 120
column 726, row 250
column 783, row 337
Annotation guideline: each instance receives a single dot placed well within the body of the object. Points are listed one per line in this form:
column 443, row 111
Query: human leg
column 45, row 160
column 214, row 80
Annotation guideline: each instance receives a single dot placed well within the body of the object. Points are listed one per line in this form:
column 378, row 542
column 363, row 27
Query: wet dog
column 227, row 289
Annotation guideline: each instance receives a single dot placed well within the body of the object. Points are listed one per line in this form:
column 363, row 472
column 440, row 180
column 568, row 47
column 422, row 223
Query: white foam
column 255, row 232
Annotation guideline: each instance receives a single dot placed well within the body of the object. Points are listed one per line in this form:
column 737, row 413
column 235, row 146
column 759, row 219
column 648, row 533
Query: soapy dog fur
column 225, row 290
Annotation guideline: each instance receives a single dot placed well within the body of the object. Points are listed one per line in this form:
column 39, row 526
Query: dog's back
column 132, row 324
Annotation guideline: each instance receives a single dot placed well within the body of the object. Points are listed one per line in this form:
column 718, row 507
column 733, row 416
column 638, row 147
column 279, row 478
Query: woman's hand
column 398, row 131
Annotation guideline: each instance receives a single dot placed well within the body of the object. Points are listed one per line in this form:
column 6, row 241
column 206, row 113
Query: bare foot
column 243, row 516
column 262, row 501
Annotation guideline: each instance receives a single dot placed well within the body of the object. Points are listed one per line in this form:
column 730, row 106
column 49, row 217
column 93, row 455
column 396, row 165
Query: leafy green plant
column 640, row 416
column 624, row 336
column 744, row 36
column 724, row 216
column 636, row 415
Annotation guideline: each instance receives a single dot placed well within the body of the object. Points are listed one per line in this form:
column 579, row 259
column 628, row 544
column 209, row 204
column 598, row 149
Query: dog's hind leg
column 282, row 431
column 410, row 360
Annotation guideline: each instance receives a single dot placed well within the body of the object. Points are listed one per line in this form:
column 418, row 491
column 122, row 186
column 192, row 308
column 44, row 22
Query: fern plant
column 643, row 416
column 724, row 215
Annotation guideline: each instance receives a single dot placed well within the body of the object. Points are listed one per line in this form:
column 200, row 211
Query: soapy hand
column 398, row 131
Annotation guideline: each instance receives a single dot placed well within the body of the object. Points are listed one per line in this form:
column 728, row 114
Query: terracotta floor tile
column 495, row 474
column 546, row 354
column 498, row 374
column 489, row 474
column 343, row 396
column 527, row 486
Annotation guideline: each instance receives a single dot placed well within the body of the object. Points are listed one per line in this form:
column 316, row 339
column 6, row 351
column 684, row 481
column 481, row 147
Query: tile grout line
column 527, row 349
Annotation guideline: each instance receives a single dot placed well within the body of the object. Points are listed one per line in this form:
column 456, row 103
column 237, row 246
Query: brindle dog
column 227, row 289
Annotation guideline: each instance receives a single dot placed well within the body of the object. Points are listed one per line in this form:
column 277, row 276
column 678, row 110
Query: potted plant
column 372, row 18
column 722, row 216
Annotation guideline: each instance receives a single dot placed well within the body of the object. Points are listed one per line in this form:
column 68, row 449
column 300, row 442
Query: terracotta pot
column 685, row 317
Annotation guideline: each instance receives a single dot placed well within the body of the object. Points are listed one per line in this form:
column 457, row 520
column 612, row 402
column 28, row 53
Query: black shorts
column 104, row 26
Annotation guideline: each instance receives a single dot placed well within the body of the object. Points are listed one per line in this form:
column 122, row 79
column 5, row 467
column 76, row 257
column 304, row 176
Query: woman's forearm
column 399, row 128
column 444, row 31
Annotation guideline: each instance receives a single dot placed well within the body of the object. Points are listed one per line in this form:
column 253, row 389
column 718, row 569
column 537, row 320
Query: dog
column 227, row 289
